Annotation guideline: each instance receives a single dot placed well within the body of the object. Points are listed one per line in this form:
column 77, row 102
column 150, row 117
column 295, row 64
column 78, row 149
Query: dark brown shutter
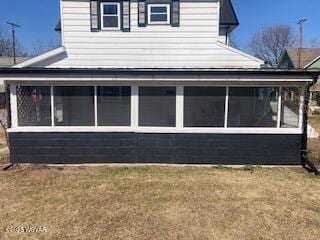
column 142, row 13
column 175, row 13
column 126, row 15
column 94, row 16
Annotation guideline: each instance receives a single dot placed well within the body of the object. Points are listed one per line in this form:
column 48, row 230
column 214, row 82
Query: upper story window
column 158, row 13
column 110, row 16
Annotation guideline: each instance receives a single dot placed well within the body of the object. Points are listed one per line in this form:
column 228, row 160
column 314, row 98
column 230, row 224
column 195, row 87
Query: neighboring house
column 310, row 59
column 153, row 81
column 6, row 62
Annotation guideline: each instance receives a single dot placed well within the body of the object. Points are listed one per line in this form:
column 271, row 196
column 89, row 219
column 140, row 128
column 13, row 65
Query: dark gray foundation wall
column 180, row 148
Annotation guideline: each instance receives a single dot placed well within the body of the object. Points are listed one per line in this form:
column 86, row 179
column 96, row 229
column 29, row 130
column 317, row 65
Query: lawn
column 314, row 144
column 160, row 203
column 314, row 121
column 314, row 151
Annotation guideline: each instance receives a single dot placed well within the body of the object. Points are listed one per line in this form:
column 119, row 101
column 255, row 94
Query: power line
column 301, row 23
column 13, row 28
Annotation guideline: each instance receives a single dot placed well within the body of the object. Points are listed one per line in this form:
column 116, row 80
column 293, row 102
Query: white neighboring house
column 6, row 62
column 153, row 81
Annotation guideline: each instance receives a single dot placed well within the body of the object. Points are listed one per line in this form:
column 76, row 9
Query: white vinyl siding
column 193, row 44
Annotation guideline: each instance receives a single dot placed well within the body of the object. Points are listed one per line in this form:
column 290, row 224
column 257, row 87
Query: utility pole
column 301, row 22
column 13, row 28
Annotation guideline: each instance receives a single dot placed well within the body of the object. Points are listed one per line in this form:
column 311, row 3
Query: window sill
column 159, row 24
column 160, row 130
column 110, row 30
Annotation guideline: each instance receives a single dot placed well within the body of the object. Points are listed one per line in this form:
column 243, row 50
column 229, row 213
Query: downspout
column 8, row 105
column 306, row 163
column 227, row 35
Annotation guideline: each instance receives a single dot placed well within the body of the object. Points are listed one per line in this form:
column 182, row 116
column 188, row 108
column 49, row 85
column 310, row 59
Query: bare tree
column 6, row 45
column 269, row 43
column 40, row 47
column 314, row 43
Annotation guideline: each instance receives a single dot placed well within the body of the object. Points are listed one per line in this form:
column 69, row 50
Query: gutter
column 306, row 163
column 163, row 71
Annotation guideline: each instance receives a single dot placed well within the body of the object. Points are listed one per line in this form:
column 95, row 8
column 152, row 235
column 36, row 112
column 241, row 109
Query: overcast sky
column 39, row 17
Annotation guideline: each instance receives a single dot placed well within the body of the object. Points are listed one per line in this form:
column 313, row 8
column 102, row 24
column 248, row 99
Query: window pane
column 110, row 21
column 158, row 17
column 290, row 105
column 158, row 9
column 74, row 106
column 253, row 107
column 110, row 8
column 114, row 106
column 157, row 106
column 34, row 106
column 204, row 106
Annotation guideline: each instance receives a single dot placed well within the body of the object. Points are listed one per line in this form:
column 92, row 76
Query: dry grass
column 314, row 121
column 4, row 155
column 160, row 203
column 314, row 144
column 314, row 151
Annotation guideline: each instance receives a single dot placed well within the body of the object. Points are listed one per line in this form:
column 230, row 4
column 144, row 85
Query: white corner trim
column 240, row 52
column 312, row 62
column 41, row 57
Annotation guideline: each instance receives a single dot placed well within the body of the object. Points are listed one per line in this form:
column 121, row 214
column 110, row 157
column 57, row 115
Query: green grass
column 160, row 203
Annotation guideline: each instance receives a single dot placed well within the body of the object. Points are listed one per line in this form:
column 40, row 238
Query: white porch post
column 96, row 106
column 301, row 109
column 14, row 110
column 52, row 106
column 179, row 107
column 279, row 108
column 134, row 106
column 226, row 108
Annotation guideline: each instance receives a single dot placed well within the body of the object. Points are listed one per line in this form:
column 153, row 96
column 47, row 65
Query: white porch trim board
column 135, row 116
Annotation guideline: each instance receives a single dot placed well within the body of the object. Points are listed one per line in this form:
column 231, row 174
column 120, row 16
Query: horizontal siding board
column 155, row 148
column 198, row 30
column 193, row 44
column 139, row 62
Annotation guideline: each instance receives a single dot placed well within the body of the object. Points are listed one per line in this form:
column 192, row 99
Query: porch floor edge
column 156, row 165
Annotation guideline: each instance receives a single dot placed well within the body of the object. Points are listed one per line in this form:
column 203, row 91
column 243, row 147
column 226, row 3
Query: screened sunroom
column 201, row 116
column 163, row 108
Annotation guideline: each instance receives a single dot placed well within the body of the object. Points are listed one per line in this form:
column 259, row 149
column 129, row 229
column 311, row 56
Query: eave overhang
column 228, row 16
column 157, row 74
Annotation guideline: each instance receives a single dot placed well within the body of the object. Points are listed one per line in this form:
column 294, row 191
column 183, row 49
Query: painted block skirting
column 178, row 148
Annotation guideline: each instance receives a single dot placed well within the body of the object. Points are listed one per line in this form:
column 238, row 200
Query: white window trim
column 135, row 115
column 104, row 15
column 159, row 22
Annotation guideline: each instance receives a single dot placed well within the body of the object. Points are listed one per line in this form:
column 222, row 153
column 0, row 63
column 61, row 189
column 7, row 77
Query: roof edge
column 41, row 57
column 137, row 71
column 312, row 62
column 241, row 53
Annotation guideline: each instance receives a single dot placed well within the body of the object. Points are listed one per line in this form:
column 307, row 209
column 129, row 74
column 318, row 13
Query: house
column 310, row 59
column 153, row 81
column 7, row 62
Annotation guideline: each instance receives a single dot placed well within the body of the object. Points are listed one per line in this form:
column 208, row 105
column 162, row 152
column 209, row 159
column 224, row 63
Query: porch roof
column 150, row 71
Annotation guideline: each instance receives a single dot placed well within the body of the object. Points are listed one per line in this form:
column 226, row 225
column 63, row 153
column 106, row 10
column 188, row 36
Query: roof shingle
column 307, row 56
